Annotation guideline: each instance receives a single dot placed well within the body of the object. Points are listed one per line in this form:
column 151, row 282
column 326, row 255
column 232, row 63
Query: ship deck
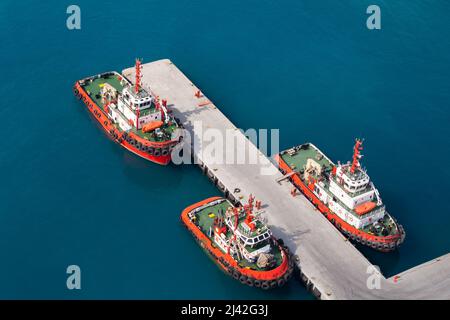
column 93, row 87
column 298, row 160
column 329, row 263
column 205, row 217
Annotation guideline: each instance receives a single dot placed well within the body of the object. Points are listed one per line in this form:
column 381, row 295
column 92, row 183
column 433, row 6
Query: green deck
column 93, row 88
column 390, row 227
column 205, row 222
column 298, row 160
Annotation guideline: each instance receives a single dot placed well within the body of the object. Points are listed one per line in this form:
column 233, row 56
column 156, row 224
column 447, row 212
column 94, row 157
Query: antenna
column 137, row 84
column 356, row 155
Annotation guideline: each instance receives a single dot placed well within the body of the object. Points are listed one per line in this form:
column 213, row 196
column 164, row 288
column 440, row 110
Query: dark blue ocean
column 69, row 195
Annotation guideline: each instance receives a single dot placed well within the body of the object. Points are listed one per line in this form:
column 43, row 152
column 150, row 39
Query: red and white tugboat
column 344, row 194
column 133, row 117
column 238, row 240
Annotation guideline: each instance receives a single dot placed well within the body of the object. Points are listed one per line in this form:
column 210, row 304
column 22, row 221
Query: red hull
column 132, row 142
column 380, row 243
column 264, row 279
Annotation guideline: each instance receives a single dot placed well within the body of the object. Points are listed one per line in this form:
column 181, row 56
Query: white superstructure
column 348, row 192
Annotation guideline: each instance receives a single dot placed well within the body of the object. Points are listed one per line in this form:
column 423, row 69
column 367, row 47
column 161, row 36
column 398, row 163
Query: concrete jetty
column 330, row 266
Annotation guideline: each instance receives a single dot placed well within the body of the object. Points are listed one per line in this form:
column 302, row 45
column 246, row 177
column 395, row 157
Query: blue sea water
column 69, row 195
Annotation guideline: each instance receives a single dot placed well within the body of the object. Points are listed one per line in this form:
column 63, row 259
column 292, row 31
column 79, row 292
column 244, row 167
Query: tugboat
column 344, row 194
column 240, row 243
column 133, row 117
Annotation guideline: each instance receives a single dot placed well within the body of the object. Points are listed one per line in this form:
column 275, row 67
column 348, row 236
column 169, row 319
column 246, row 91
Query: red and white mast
column 249, row 213
column 137, row 84
column 137, row 87
column 356, row 155
column 236, row 222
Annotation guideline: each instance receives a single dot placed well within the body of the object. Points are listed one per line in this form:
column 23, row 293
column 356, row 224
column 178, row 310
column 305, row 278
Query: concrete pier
column 330, row 266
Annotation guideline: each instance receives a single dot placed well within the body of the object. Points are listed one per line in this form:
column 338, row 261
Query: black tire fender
column 265, row 285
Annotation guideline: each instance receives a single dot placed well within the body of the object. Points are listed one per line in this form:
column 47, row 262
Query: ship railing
column 98, row 76
column 318, row 150
column 209, row 204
